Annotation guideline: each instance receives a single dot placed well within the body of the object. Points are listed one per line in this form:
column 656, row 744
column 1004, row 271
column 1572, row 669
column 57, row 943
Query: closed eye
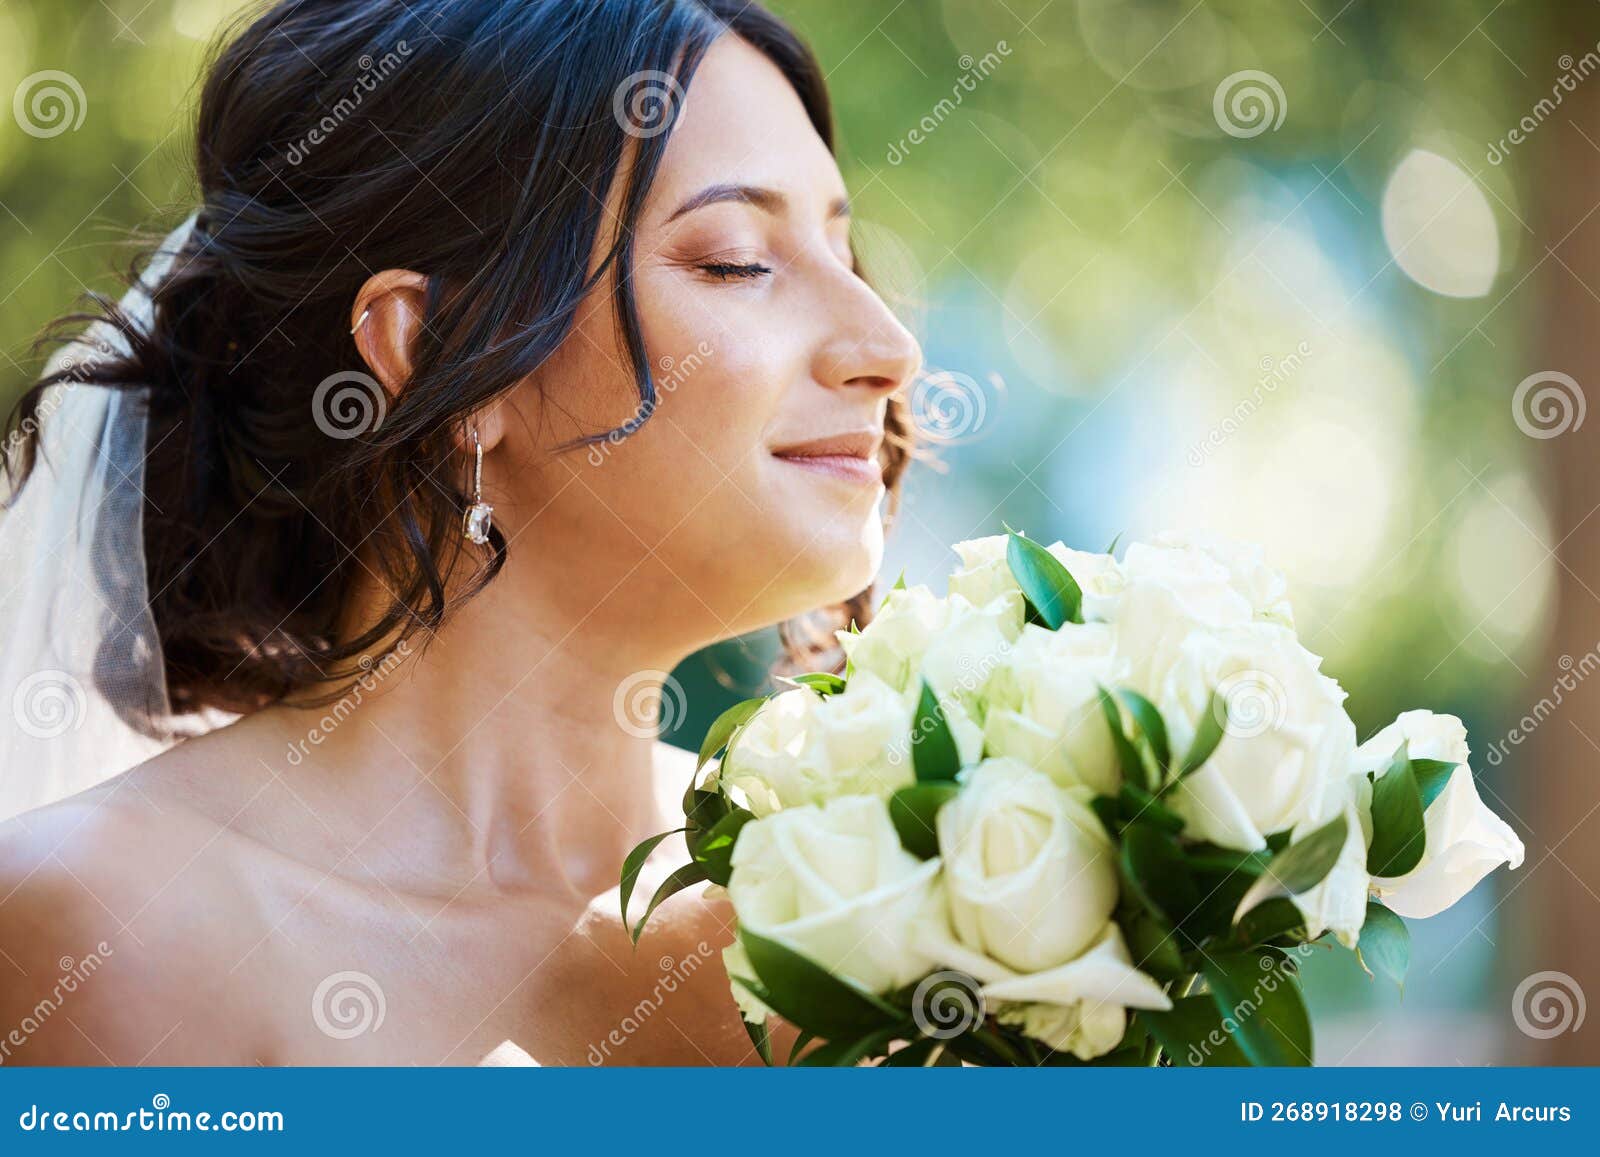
column 725, row 271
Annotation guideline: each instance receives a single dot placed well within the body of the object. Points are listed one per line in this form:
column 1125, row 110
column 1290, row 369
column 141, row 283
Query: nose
column 866, row 346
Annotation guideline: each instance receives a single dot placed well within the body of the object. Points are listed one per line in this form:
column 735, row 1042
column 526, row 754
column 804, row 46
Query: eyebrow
column 767, row 200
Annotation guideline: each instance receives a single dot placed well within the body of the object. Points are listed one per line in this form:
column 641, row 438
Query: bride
column 516, row 351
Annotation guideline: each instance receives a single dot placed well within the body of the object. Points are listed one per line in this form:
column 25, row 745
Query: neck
column 516, row 746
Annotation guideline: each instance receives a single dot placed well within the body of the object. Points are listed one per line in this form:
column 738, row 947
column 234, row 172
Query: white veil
column 83, row 692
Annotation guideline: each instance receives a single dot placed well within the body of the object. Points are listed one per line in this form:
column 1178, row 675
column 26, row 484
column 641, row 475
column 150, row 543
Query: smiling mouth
column 850, row 457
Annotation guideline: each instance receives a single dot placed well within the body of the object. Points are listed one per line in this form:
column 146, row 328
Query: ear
column 385, row 320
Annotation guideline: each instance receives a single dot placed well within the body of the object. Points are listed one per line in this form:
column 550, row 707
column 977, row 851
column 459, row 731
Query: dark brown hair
column 337, row 138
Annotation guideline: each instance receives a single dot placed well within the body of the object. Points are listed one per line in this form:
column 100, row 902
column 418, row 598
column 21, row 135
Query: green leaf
column 684, row 877
column 702, row 810
column 824, row 683
column 634, row 864
column 801, row 1040
column 810, row 997
column 1269, row 921
column 1154, row 870
column 1192, row 1036
column 1212, row 726
column 933, row 748
column 1150, row 724
column 714, row 851
column 913, row 1056
column 1298, row 868
column 761, row 1037
column 1139, row 806
column 1398, row 835
column 1260, row 998
column 1128, row 760
column 912, row 809
column 1050, row 589
column 1433, row 776
column 1112, row 548
column 720, row 731
column 1153, row 947
column 845, row 1053
column 1385, row 945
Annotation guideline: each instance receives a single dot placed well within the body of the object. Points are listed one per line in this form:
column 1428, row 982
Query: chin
column 840, row 558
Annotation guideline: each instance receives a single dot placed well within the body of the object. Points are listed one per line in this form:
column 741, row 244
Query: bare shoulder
column 105, row 900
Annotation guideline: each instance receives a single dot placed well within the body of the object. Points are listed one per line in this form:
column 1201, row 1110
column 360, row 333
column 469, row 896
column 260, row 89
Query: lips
column 851, row 456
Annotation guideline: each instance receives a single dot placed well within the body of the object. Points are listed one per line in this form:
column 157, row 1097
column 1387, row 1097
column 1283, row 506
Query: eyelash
column 724, row 271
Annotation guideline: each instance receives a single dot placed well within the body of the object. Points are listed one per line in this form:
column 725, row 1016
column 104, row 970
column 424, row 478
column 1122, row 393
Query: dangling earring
column 479, row 516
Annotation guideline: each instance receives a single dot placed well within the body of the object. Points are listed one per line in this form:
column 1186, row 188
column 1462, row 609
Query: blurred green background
column 1275, row 269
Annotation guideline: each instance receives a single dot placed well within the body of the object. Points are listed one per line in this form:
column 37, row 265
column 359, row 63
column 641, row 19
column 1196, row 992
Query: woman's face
column 753, row 488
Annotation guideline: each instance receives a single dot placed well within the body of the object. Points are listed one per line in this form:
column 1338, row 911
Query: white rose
column 1287, row 736
column 800, row 748
column 966, row 651
column 1170, row 595
column 833, row 883
column 1339, row 903
column 891, row 646
column 736, row 962
column 1044, row 704
column 1465, row 840
column 1078, row 1007
column 1028, row 867
column 985, row 575
column 1260, row 585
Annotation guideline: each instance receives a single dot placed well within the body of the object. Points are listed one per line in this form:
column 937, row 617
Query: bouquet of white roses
column 1077, row 810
